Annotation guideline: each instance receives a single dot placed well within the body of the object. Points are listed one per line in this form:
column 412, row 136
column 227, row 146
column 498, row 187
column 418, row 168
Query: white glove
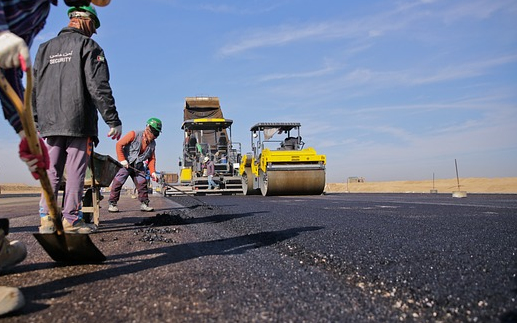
column 115, row 132
column 124, row 163
column 12, row 50
column 154, row 177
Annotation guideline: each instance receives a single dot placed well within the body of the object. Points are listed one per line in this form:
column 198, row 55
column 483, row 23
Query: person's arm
column 97, row 81
column 152, row 167
column 14, row 53
column 126, row 140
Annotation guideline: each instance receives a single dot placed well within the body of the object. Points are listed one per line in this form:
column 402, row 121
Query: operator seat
column 222, row 144
column 192, row 145
column 290, row 143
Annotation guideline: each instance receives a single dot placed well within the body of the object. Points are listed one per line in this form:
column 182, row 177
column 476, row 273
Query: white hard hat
column 206, row 159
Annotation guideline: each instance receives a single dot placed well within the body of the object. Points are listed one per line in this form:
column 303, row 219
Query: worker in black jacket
column 71, row 85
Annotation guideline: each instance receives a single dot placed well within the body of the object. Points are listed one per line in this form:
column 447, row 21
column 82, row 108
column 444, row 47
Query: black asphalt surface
column 328, row 258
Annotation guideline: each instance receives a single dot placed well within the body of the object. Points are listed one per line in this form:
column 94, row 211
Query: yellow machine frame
column 304, row 164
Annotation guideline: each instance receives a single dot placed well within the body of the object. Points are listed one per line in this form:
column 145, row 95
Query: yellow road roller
column 279, row 164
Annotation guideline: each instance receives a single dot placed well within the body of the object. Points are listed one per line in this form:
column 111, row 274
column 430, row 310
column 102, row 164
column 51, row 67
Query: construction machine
column 279, row 164
column 208, row 134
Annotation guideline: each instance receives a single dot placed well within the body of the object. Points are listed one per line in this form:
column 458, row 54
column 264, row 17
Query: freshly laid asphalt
column 328, row 258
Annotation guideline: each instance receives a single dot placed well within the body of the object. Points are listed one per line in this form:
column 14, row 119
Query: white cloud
column 275, row 37
column 480, row 9
column 371, row 26
column 310, row 74
column 465, row 70
column 243, row 9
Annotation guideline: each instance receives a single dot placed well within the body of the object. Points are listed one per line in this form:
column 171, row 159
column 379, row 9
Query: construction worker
column 20, row 22
column 210, row 172
column 71, row 83
column 133, row 150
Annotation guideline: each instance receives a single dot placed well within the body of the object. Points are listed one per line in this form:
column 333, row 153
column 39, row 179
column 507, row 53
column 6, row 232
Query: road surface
column 328, row 258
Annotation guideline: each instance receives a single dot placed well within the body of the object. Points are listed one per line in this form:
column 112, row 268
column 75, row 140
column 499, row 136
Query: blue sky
column 387, row 90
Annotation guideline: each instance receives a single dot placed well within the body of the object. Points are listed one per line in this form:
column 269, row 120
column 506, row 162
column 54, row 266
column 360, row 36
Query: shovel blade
column 77, row 248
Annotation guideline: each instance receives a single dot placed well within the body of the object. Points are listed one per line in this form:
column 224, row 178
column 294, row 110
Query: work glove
column 13, row 51
column 115, row 132
column 154, row 177
column 124, row 163
column 33, row 161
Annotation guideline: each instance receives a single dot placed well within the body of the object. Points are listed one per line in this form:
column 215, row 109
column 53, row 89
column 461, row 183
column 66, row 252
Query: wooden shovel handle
column 27, row 120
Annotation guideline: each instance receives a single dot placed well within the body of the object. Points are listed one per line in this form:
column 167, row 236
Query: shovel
column 60, row 246
column 188, row 195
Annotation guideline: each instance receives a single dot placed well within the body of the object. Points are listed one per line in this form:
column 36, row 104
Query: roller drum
column 247, row 183
column 292, row 182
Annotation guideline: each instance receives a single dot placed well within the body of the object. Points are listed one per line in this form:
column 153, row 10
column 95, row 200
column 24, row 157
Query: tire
column 247, row 184
column 263, row 183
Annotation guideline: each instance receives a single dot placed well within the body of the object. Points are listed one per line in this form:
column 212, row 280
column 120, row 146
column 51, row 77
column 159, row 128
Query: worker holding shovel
column 133, row 150
column 20, row 22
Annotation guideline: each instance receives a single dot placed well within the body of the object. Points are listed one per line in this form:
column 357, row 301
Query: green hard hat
column 155, row 123
column 91, row 10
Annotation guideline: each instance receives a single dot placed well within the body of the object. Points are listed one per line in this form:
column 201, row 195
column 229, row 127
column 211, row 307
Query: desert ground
column 504, row 185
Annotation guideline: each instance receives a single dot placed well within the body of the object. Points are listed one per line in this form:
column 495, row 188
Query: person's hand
column 154, row 177
column 101, row 3
column 115, row 132
column 33, row 161
column 13, row 51
column 124, row 163
column 79, row 3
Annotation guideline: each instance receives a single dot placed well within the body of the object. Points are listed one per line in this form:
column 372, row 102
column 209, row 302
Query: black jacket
column 71, row 82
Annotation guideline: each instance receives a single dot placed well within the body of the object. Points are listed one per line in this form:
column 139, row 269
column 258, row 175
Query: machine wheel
column 263, row 180
column 247, row 184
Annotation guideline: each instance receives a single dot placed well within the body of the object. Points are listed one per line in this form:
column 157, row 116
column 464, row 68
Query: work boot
column 47, row 225
column 11, row 252
column 112, row 208
column 11, row 299
column 78, row 227
column 145, row 207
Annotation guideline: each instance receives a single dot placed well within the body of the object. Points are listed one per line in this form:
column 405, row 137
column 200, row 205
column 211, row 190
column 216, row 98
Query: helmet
column 155, row 123
column 206, row 159
column 90, row 10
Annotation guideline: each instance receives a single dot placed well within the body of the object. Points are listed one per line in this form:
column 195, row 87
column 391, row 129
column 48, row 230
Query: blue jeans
column 211, row 182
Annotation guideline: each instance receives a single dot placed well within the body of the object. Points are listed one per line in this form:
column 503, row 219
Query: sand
column 15, row 188
column 504, row 185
